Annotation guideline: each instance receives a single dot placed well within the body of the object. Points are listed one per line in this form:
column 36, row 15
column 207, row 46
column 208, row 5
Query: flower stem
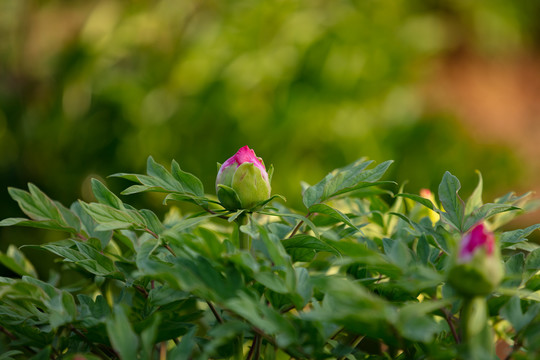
column 476, row 334
column 244, row 241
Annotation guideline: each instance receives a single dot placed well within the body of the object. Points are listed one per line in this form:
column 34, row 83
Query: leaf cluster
column 353, row 276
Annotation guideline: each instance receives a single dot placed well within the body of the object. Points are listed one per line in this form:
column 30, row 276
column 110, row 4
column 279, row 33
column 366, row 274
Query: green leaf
column 333, row 213
column 49, row 290
column 419, row 199
column 485, row 212
column 304, row 247
column 98, row 309
column 451, row 202
column 228, row 197
column 184, row 349
column 8, row 355
column 148, row 337
column 82, row 254
column 123, row 338
column 533, row 260
column 274, row 247
column 343, row 180
column 176, row 228
column 514, row 270
column 415, row 321
column 36, row 204
column 105, row 196
column 272, row 281
column 513, row 313
column 262, row 204
column 198, row 200
column 152, row 221
column 515, row 236
column 44, row 212
column 475, row 200
column 42, row 355
column 43, row 224
column 190, row 183
column 89, row 226
column 398, row 253
column 160, row 179
column 235, row 215
column 350, row 304
column 110, row 218
column 62, row 309
column 15, row 260
column 262, row 317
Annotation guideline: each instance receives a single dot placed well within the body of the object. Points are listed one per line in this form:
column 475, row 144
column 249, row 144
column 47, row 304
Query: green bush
column 360, row 273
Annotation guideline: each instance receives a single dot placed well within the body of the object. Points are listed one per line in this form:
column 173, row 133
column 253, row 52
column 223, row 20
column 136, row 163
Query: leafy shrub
column 358, row 274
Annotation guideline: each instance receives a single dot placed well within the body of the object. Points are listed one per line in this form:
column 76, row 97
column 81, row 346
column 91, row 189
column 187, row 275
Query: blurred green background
column 90, row 88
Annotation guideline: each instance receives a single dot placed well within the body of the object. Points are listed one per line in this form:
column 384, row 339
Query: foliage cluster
column 356, row 275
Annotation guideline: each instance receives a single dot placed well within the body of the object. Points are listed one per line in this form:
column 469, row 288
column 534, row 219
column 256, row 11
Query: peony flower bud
column 478, row 239
column 242, row 181
column 477, row 270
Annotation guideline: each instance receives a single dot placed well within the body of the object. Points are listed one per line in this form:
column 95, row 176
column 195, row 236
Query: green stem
column 476, row 333
column 473, row 317
column 239, row 347
column 244, row 241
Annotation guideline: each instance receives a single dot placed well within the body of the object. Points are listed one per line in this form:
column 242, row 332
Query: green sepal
column 478, row 277
column 270, row 173
column 225, row 177
column 228, row 197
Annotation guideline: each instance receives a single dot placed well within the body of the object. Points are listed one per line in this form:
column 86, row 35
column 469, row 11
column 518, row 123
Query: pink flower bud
column 478, row 238
column 425, row 193
column 477, row 269
column 244, row 173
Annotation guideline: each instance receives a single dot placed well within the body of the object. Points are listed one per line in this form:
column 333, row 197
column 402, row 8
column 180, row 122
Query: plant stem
column 244, row 241
column 163, row 351
column 214, row 311
column 170, row 249
column 164, row 244
column 81, row 236
column 448, row 318
column 298, row 226
column 239, row 347
column 142, row 290
column 8, row 333
column 152, row 233
column 471, row 312
column 255, row 348
column 210, row 211
column 475, row 330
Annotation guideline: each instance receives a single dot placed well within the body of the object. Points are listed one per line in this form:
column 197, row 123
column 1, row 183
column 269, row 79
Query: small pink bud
column 478, row 268
column 244, row 173
column 478, row 238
